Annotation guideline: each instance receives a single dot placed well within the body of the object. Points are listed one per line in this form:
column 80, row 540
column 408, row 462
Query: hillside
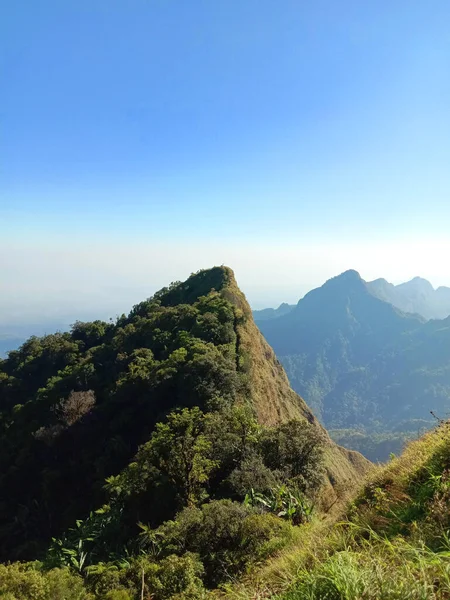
column 179, row 406
column 389, row 541
column 360, row 362
column 416, row 296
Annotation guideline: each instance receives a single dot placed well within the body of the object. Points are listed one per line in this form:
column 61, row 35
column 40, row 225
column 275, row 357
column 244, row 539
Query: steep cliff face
column 271, row 395
column 267, row 386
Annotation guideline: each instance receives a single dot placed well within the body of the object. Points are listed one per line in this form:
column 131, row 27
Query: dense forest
column 159, row 454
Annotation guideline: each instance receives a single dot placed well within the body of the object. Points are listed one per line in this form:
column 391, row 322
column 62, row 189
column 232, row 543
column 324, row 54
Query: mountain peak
column 197, row 285
column 419, row 284
column 350, row 279
column 350, row 274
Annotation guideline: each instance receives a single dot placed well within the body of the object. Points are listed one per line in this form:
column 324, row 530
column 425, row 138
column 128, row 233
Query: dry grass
column 274, row 400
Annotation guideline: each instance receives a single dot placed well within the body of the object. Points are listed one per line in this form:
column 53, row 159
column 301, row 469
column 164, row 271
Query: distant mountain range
column 416, row 297
column 272, row 313
column 361, row 362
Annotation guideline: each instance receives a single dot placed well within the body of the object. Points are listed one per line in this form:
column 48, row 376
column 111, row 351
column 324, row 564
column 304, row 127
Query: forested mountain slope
column 75, row 408
column 359, row 361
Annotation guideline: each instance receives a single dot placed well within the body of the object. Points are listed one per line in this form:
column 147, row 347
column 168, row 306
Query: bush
column 178, row 576
column 252, row 474
column 296, row 449
column 118, row 595
column 23, row 581
column 171, row 577
column 104, row 580
column 64, row 585
column 227, row 536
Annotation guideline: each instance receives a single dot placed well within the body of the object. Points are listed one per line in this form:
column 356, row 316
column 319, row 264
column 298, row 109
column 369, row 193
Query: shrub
column 252, row 474
column 172, row 576
column 22, row 581
column 65, row 585
column 227, row 536
column 118, row 595
column 296, row 449
column 104, row 579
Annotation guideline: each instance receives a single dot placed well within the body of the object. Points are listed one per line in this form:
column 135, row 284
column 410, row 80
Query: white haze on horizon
column 59, row 282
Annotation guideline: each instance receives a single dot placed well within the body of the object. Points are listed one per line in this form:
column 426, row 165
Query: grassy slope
column 392, row 541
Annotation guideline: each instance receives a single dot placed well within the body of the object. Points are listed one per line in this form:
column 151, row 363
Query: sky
column 142, row 140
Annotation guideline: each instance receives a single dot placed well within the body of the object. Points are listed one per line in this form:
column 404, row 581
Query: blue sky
column 143, row 139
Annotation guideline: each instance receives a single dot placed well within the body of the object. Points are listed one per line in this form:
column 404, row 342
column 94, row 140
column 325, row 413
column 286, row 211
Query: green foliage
column 289, row 504
column 397, row 571
column 226, row 535
column 253, row 474
column 25, row 581
column 177, row 349
column 118, row 595
column 158, row 405
column 295, row 448
column 172, row 577
column 395, row 542
column 178, row 453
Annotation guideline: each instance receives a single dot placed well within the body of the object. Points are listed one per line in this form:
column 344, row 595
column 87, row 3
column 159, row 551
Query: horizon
column 144, row 141
column 41, row 324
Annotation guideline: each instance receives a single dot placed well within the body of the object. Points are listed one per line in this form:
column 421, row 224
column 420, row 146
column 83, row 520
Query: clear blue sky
column 143, row 139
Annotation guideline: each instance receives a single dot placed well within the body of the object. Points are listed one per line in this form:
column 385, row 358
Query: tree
column 296, row 449
column 178, row 452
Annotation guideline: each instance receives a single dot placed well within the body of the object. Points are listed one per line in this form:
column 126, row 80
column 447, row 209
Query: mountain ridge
column 361, row 362
column 416, row 296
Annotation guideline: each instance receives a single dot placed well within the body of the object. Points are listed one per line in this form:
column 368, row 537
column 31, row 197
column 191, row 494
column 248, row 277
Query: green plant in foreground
column 284, row 502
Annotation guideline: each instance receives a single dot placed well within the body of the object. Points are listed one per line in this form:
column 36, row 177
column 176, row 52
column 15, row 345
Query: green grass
column 377, row 569
column 390, row 542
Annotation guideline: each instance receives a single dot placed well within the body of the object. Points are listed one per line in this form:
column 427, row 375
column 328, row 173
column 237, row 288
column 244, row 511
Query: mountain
column 360, row 362
column 415, row 296
column 272, row 313
column 179, row 402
